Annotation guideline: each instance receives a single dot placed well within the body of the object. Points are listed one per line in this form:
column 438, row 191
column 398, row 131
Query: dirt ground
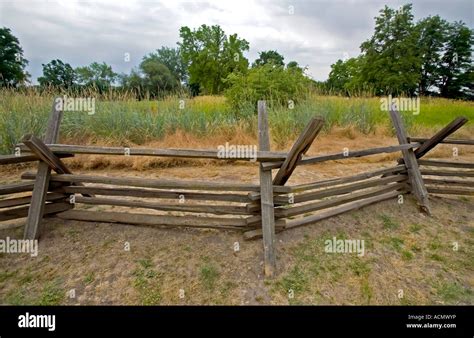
column 409, row 258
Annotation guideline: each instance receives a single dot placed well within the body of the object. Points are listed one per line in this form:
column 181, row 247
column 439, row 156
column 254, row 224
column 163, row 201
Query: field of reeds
column 122, row 120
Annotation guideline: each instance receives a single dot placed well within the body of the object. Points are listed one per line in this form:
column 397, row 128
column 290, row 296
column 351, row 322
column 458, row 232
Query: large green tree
column 57, row 74
column 391, row 55
column 157, row 78
column 431, row 57
column 12, row 62
column 211, row 56
column 456, row 70
column 432, row 36
column 345, row 76
column 171, row 58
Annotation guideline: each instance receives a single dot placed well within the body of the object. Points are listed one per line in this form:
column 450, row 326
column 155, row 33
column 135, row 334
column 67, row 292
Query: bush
column 275, row 84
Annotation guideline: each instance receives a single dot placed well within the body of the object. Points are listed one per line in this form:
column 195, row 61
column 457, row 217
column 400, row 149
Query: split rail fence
column 257, row 210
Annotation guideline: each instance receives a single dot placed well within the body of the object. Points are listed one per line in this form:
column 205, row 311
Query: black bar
column 305, row 321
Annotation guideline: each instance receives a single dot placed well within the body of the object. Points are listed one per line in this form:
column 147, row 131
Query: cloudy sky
column 315, row 33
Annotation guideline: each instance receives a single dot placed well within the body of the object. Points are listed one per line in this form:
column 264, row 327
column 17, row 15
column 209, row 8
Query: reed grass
column 122, row 120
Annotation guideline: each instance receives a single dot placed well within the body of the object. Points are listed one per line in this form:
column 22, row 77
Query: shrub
column 275, row 84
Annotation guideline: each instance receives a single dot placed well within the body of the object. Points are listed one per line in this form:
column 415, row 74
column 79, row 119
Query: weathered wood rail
column 257, row 209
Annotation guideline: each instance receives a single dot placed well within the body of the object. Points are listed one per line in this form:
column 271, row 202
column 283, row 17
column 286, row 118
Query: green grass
column 359, row 267
column 415, row 228
column 366, row 291
column 437, row 258
column 396, row 243
column 89, row 278
column 312, row 265
column 453, row 292
column 389, row 223
column 295, row 281
column 208, row 274
column 435, row 244
column 407, row 255
column 4, row 275
column 51, row 293
column 126, row 121
column 147, row 283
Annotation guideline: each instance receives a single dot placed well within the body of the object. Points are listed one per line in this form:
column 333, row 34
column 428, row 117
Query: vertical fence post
column 414, row 176
column 266, row 195
column 38, row 197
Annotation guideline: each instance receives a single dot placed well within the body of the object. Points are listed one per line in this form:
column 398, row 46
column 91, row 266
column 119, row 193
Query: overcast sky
column 315, row 33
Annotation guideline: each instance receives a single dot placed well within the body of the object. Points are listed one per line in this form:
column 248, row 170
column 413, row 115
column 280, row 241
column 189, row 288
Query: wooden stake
column 299, row 148
column 36, row 210
column 439, row 137
column 46, row 155
column 266, row 192
column 414, row 175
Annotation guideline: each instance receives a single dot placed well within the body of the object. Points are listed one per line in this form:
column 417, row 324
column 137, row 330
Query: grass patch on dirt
column 89, row 278
column 208, row 276
column 147, row 283
column 389, row 223
column 405, row 253
column 301, row 283
column 33, row 293
column 454, row 293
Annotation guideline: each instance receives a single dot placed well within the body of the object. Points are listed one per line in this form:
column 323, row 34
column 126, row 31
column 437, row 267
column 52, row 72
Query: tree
column 97, row 75
column 340, row 75
column 345, row 77
column 430, row 57
column 133, row 82
column 269, row 57
column 12, row 62
column 57, row 74
column 211, row 56
column 294, row 65
column 171, row 58
column 151, row 79
column 157, row 78
column 432, row 32
column 392, row 61
column 456, row 70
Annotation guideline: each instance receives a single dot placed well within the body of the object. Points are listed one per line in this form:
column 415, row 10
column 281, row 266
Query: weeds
column 453, row 292
column 146, row 282
column 389, row 223
column 208, row 275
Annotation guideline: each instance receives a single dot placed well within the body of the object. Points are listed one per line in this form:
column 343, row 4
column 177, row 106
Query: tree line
column 403, row 57
column 201, row 63
column 427, row 57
